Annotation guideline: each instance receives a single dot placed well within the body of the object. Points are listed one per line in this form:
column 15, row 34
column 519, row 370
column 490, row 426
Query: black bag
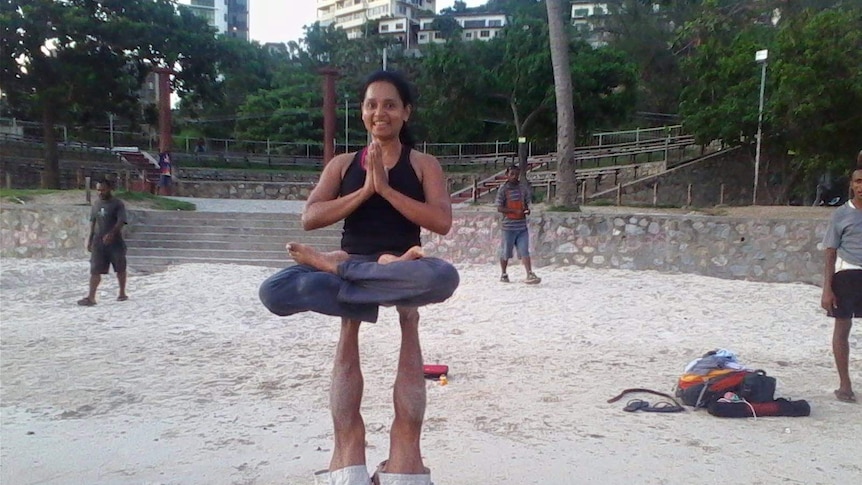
column 757, row 387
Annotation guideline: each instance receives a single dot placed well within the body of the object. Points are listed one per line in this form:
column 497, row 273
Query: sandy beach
column 192, row 381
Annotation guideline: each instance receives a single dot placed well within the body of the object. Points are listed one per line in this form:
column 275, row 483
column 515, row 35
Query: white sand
column 193, row 382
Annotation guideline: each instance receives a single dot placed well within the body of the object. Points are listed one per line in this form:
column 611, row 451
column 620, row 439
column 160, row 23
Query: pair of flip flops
column 659, row 407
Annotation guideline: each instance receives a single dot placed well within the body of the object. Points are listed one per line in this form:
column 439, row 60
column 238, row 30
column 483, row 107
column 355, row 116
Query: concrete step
column 144, row 237
column 148, row 264
column 236, row 228
column 195, row 215
column 279, row 245
column 162, row 238
column 213, row 255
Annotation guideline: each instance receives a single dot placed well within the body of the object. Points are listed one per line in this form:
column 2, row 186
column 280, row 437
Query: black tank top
column 375, row 227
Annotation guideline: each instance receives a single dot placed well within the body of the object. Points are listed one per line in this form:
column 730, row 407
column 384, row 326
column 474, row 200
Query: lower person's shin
column 121, row 281
column 409, row 399
column 95, row 279
column 528, row 265
column 841, row 350
column 345, row 400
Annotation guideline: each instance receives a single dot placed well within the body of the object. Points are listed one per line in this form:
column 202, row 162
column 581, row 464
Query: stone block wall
column 779, row 250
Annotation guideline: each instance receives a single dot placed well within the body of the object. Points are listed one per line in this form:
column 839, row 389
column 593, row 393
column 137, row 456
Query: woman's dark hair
column 405, row 92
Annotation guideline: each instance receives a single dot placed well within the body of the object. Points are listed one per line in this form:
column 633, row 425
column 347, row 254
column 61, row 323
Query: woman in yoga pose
column 385, row 194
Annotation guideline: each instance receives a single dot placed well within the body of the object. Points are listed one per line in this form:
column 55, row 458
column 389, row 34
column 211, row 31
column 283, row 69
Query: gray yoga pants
column 359, row 288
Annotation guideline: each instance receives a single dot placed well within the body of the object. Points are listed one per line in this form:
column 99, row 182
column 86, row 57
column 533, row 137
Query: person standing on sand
column 385, row 194
column 512, row 203
column 105, row 242
column 842, row 279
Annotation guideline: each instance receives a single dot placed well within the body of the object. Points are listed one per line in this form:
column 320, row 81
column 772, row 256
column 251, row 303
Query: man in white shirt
column 842, row 279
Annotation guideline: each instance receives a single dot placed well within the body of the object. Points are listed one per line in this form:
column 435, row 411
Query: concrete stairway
column 157, row 239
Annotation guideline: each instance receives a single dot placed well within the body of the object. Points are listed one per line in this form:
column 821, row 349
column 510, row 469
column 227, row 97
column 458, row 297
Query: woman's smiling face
column 383, row 111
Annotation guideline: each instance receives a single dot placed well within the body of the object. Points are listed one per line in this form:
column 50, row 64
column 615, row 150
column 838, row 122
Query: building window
column 581, row 12
column 474, row 24
column 423, row 37
column 598, row 11
column 438, row 35
column 485, row 33
column 495, row 23
column 399, row 26
column 384, row 28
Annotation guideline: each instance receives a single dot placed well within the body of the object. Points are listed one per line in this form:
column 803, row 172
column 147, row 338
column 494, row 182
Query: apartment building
column 229, row 17
column 351, row 15
column 474, row 26
column 588, row 18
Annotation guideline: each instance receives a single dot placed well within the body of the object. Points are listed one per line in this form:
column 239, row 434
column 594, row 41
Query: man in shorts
column 105, row 243
column 842, row 279
column 512, row 203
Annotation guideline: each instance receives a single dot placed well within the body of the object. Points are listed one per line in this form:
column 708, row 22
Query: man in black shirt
column 105, row 243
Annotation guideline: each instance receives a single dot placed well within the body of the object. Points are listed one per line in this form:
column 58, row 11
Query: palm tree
column 567, row 187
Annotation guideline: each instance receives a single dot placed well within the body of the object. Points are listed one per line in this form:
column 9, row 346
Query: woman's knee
column 441, row 274
column 278, row 293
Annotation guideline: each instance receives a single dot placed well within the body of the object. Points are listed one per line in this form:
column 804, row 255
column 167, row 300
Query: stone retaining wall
column 780, row 250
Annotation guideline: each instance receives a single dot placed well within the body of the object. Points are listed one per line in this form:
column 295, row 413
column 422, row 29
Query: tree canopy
column 78, row 60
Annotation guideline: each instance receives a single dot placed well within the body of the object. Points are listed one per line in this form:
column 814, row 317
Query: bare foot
column 411, row 254
column 845, row 396
column 309, row 256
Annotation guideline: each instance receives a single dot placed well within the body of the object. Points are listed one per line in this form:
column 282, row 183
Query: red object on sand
column 435, row 370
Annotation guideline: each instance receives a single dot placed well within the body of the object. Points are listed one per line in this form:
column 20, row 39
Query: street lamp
column 760, row 57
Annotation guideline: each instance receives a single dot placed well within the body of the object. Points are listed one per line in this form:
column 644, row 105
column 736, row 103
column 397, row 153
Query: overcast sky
column 282, row 20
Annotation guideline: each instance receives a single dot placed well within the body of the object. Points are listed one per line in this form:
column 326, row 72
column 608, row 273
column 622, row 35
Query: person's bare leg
column 345, row 397
column 121, row 280
column 95, row 279
column 528, row 265
column 409, row 399
column 411, row 254
column 841, row 349
column 309, row 256
column 504, row 264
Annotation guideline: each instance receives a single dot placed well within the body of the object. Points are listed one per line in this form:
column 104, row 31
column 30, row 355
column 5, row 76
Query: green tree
column 813, row 86
column 77, row 60
column 244, row 68
column 816, row 107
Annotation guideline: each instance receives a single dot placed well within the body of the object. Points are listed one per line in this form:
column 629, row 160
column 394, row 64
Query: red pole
column 329, row 75
column 164, row 94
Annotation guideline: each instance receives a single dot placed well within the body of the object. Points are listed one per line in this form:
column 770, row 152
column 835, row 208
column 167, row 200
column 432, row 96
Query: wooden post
column 79, row 175
column 87, row 188
column 8, row 180
column 721, row 195
column 619, row 194
column 655, row 194
column 688, row 202
column 583, row 192
column 475, row 190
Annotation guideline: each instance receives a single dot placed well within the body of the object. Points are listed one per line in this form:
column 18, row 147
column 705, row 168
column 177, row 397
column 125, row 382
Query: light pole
column 760, row 57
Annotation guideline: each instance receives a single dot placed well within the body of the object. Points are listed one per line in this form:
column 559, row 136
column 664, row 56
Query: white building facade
column 474, row 26
column 351, row 15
